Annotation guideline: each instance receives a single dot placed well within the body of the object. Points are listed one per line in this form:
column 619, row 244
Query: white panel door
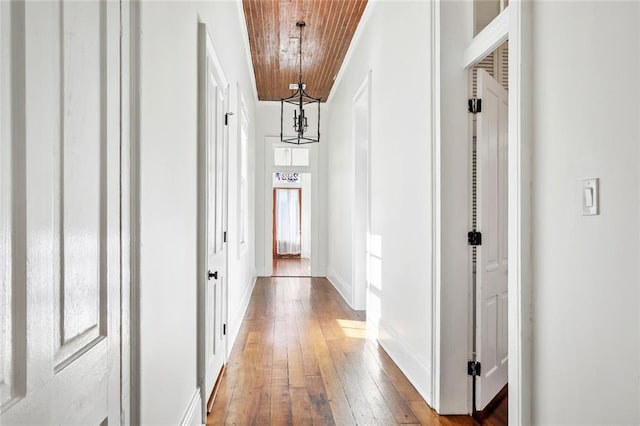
column 214, row 94
column 60, row 212
column 491, row 279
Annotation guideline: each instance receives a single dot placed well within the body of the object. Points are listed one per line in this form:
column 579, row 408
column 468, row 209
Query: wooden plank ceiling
column 273, row 38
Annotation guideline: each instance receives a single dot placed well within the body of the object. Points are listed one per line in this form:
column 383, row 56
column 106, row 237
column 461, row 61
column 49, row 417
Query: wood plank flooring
column 291, row 267
column 500, row 415
column 303, row 357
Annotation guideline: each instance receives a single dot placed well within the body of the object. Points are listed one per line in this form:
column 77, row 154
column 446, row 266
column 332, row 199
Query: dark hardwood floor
column 291, row 267
column 499, row 416
column 303, row 357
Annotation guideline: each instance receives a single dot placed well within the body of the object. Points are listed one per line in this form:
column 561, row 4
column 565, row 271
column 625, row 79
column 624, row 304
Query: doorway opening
column 452, row 332
column 291, row 246
column 489, row 239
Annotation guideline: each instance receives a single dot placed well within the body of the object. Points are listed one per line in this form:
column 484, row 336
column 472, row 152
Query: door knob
column 213, row 275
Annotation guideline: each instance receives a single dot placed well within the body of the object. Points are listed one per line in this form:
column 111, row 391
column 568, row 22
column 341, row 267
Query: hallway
column 302, row 357
column 291, row 267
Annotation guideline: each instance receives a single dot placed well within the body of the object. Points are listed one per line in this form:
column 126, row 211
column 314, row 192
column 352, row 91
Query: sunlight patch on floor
column 351, row 328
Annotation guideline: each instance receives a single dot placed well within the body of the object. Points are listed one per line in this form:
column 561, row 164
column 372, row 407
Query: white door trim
column 131, row 100
column 358, row 292
column 129, row 197
column 436, row 203
column 519, row 286
column 518, row 15
column 488, row 40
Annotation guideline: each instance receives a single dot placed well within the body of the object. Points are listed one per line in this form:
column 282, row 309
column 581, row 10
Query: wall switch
column 590, row 201
column 588, row 197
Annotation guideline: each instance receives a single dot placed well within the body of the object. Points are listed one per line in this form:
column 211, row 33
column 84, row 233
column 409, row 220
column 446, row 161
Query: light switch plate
column 590, row 197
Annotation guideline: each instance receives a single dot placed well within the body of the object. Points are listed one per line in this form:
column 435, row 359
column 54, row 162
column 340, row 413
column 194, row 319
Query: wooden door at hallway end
column 287, row 222
column 60, row 242
column 213, row 180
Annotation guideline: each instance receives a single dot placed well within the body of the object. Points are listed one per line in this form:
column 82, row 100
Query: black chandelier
column 297, row 102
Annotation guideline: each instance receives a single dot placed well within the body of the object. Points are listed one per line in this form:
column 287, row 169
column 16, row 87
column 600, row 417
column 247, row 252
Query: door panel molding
column 81, row 193
column 62, row 211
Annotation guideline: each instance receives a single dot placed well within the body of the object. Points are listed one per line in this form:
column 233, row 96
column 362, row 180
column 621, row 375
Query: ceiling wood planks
column 273, row 37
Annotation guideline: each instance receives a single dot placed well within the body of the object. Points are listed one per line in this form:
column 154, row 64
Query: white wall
column 267, row 131
column 168, row 189
column 241, row 260
column 395, row 45
column 453, row 331
column 586, row 293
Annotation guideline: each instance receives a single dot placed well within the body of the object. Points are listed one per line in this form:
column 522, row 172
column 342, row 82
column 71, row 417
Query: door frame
column 265, row 187
column 130, row 205
column 514, row 24
column 360, row 283
column 205, row 48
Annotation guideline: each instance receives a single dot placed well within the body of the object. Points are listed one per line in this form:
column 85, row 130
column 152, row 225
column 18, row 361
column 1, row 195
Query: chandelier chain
column 300, row 53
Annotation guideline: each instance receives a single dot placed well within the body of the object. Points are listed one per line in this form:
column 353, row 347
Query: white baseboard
column 193, row 414
column 412, row 366
column 341, row 285
column 238, row 316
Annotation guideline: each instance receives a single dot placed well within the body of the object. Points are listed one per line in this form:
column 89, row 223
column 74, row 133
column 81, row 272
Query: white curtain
column 288, row 221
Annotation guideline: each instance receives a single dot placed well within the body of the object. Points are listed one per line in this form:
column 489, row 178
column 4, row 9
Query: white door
column 491, row 279
column 214, row 93
column 60, row 213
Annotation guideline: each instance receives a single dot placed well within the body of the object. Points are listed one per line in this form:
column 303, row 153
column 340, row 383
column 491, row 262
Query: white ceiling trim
column 247, row 48
column 352, row 46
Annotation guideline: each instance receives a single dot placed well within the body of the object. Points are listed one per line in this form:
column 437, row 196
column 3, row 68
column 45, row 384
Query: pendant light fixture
column 298, row 108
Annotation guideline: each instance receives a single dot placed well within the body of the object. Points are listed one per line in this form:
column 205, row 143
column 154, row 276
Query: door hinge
column 226, row 118
column 475, row 105
column 224, row 329
column 474, row 238
column 473, row 368
column 224, row 236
